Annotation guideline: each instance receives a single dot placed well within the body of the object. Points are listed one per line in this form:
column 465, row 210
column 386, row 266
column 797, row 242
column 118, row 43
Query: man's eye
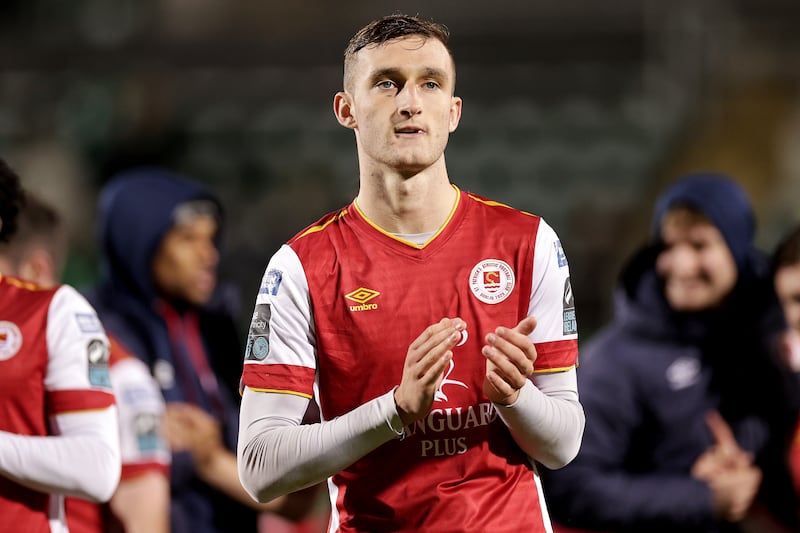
column 431, row 85
column 385, row 84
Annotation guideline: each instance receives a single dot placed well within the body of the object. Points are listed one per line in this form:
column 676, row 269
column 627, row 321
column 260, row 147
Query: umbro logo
column 361, row 296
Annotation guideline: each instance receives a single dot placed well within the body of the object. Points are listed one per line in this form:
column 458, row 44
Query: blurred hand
column 733, row 491
column 724, row 454
column 424, row 366
column 510, row 355
column 191, row 429
column 729, row 472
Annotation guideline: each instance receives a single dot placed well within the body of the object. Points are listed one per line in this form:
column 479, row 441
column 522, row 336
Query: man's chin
column 689, row 303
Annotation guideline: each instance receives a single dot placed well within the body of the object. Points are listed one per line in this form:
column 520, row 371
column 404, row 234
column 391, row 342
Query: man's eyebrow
column 384, row 73
column 393, row 72
column 436, row 73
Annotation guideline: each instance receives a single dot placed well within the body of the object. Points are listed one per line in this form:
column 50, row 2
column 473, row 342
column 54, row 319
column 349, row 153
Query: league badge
column 561, row 257
column 271, row 282
column 258, row 338
column 88, row 323
column 146, row 428
column 98, row 355
column 570, row 321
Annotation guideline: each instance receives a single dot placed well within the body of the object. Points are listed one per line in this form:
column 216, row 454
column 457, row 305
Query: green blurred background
column 577, row 110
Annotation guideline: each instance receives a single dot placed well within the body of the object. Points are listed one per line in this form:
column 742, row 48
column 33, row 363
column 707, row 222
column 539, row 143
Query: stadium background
column 578, row 110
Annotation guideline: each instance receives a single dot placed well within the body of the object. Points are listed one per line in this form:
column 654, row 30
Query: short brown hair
column 388, row 28
column 38, row 225
column 685, row 215
column 12, row 199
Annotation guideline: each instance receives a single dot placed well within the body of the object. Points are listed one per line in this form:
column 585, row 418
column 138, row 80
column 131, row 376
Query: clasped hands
column 729, row 472
column 509, row 354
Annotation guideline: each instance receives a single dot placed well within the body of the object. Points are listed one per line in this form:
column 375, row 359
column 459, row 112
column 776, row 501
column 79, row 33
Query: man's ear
column 40, row 268
column 455, row 113
column 343, row 109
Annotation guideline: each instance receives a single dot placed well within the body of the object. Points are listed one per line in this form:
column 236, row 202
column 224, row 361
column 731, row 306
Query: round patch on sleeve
column 98, row 354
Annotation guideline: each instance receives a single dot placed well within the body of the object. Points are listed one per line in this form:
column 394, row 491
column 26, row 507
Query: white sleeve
column 547, row 420
column 552, row 302
column 141, row 417
column 81, row 461
column 276, row 455
column 82, row 457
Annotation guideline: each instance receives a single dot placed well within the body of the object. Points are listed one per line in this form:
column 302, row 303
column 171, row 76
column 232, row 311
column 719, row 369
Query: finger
column 515, row 348
column 511, row 341
column 526, row 325
column 428, row 357
column 434, row 374
column 499, row 384
column 505, row 368
column 435, row 330
column 720, row 430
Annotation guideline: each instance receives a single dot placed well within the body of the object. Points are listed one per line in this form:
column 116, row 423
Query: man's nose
column 408, row 101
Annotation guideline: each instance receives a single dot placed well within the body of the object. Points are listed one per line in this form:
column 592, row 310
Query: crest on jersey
column 10, row 340
column 491, row 281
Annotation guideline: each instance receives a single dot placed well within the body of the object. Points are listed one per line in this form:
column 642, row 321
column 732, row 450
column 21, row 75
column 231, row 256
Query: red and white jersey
column 337, row 309
column 143, row 444
column 53, row 361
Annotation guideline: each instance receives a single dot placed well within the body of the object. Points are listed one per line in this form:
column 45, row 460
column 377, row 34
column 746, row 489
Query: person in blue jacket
column 689, row 409
column 159, row 237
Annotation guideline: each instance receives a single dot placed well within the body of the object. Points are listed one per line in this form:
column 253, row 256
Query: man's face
column 787, row 285
column 696, row 265
column 400, row 103
column 185, row 265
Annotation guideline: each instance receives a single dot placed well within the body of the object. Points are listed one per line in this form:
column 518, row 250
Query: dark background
column 577, row 110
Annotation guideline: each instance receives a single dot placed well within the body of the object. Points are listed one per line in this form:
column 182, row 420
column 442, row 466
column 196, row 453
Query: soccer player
column 58, row 421
column 434, row 327
column 37, row 253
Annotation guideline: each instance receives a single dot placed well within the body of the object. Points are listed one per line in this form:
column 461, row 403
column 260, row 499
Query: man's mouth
column 409, row 130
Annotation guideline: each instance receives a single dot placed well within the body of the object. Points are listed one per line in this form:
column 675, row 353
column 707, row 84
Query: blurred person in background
column 38, row 250
column 688, row 406
column 435, row 328
column 786, row 276
column 58, row 421
column 159, row 237
column 37, row 253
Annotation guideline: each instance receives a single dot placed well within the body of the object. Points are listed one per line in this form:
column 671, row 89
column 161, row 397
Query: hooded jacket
column 136, row 210
column 649, row 377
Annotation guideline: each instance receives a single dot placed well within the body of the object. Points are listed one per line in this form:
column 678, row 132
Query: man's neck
column 407, row 205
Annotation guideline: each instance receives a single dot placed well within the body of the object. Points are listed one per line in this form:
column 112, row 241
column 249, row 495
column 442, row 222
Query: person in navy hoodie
column 159, row 237
column 689, row 410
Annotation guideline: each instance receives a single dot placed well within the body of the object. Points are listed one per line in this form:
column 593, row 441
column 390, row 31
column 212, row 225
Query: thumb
column 526, row 325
